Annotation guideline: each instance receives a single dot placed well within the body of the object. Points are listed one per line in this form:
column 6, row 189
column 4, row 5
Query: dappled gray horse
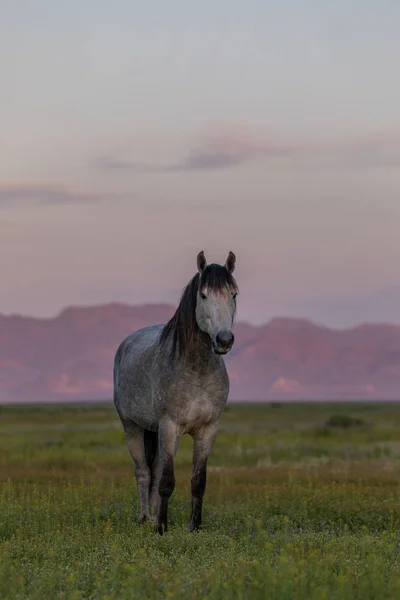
column 171, row 380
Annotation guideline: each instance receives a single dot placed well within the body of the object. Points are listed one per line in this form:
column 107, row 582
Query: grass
column 302, row 502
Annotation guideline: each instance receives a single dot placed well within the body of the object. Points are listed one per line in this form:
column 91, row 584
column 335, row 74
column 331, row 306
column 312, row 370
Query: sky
column 134, row 135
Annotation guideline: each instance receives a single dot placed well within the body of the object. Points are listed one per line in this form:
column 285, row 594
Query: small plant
column 344, row 421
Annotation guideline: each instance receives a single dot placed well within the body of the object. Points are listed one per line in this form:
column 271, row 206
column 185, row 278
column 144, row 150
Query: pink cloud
column 42, row 193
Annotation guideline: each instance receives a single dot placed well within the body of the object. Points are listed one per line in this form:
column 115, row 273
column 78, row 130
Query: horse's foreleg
column 167, row 446
column 135, row 441
column 203, row 442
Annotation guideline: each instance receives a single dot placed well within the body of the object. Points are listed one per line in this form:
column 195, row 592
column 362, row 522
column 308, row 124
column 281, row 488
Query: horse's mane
column 183, row 325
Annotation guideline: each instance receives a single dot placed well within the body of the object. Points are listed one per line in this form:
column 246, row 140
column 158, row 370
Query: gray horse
column 171, row 380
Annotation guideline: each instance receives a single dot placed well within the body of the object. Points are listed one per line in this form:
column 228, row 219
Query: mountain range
column 70, row 357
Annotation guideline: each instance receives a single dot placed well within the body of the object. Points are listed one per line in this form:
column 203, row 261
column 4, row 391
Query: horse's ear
column 230, row 262
column 201, row 262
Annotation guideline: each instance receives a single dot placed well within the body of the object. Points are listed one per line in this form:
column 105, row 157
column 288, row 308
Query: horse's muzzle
column 223, row 342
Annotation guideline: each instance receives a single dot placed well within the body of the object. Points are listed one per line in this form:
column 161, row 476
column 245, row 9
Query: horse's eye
column 203, row 296
column 234, row 296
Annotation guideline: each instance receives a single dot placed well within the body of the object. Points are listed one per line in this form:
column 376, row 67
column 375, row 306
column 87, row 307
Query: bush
column 344, row 421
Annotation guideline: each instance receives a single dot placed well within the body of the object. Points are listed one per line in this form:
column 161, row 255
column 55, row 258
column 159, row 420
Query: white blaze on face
column 215, row 311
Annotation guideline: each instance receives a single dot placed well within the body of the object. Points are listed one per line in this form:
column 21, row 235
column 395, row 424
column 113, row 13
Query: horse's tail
column 150, row 446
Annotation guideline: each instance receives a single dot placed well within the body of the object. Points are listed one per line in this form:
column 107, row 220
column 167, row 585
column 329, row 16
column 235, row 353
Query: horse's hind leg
column 153, row 462
column 155, row 499
column 135, row 441
column 203, row 442
column 167, row 446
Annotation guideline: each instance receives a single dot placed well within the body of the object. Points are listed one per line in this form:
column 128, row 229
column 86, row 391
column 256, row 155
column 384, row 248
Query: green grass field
column 302, row 502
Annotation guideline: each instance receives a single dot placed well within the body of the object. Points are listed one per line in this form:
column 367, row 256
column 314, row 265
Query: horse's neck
column 200, row 357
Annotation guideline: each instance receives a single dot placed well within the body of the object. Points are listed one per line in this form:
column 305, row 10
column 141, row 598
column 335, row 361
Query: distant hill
column 70, row 357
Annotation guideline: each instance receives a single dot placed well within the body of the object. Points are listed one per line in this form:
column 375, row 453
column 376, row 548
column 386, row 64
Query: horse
column 171, row 380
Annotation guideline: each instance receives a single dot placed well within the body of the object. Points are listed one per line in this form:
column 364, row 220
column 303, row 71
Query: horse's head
column 216, row 302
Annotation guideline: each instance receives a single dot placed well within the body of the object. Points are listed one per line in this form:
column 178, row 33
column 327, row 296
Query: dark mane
column 183, row 325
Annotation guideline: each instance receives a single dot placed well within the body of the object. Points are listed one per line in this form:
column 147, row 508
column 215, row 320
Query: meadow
column 302, row 502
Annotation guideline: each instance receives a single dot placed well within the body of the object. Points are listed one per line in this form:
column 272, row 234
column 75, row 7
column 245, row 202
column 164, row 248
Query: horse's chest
column 192, row 397
column 193, row 415
column 203, row 391
column 199, row 403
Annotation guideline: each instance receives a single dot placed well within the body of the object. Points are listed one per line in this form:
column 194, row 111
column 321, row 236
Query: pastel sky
column 134, row 134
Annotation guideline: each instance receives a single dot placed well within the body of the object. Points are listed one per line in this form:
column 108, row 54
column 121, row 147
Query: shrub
column 344, row 421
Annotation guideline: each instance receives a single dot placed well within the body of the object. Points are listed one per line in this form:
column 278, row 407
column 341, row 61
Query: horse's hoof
column 195, row 527
column 161, row 528
column 142, row 519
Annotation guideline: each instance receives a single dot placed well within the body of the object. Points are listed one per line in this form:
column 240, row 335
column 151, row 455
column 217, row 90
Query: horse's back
column 138, row 341
column 132, row 366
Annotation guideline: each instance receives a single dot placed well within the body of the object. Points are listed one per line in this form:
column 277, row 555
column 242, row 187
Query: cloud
column 225, row 146
column 41, row 194
column 195, row 161
column 221, row 148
